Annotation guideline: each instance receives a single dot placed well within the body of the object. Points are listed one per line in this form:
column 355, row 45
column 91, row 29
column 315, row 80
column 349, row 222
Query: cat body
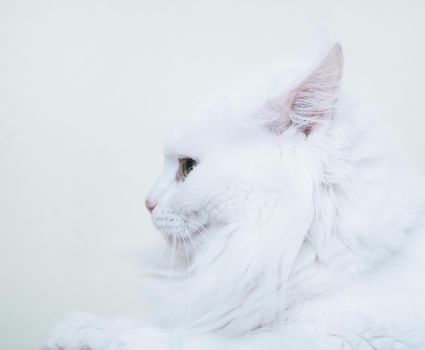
column 292, row 225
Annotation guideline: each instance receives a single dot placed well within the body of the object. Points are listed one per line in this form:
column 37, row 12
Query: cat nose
column 150, row 205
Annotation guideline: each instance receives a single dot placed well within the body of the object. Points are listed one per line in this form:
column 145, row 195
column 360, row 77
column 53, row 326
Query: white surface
column 86, row 90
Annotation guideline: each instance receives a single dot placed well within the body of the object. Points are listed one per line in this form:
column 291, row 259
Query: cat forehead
column 218, row 122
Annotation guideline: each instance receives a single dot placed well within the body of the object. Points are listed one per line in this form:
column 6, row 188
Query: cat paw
column 141, row 339
column 80, row 332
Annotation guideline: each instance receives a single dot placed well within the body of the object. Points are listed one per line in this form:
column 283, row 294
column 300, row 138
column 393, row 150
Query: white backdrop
column 86, row 90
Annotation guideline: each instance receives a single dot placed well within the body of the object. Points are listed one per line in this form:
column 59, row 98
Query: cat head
column 244, row 155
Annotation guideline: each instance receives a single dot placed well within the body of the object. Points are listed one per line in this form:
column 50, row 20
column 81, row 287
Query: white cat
column 296, row 227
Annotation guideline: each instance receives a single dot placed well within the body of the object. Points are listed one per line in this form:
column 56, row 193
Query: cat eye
column 186, row 165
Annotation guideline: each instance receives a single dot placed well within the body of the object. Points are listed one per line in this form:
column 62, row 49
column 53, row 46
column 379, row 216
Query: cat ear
column 313, row 100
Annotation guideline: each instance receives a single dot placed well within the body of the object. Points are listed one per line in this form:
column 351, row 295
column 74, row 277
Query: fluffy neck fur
column 250, row 275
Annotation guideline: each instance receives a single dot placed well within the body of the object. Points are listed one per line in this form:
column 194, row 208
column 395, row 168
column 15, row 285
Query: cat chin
column 178, row 230
column 179, row 234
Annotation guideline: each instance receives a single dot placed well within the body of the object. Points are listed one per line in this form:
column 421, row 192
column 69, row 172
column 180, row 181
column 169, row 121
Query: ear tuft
column 314, row 100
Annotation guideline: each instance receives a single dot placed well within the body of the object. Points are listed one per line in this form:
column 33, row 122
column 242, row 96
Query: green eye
column 186, row 166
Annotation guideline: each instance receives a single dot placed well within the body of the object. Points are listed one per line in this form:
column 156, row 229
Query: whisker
column 191, row 240
column 172, row 257
column 185, row 245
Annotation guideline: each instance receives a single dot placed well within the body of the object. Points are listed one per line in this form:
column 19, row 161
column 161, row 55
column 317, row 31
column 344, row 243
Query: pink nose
column 150, row 206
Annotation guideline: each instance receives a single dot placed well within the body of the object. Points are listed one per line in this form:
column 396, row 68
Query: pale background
column 87, row 89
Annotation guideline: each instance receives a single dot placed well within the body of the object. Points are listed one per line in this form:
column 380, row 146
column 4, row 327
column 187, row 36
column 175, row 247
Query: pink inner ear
column 313, row 101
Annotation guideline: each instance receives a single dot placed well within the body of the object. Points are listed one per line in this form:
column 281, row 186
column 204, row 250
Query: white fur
column 298, row 229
